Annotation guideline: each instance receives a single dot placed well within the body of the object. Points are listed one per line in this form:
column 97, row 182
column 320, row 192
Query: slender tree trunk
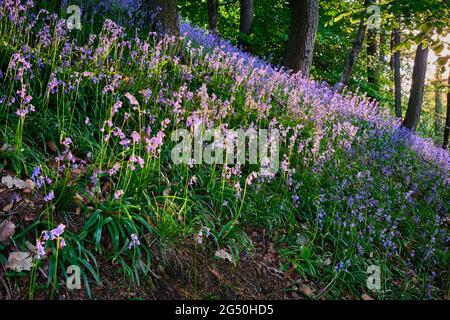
column 438, row 101
column 391, row 59
column 302, row 36
column 163, row 16
column 381, row 65
column 213, row 10
column 348, row 69
column 372, row 49
column 382, row 52
column 397, row 74
column 247, row 15
column 417, row 88
column 447, row 121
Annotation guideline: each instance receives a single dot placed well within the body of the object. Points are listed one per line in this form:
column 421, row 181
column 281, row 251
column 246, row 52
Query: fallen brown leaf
column 11, row 182
column 30, row 184
column 288, row 274
column 307, row 291
column 7, row 230
column 20, row 261
column 106, row 187
column 51, row 145
column 8, row 207
column 78, row 199
column 224, row 255
column 75, row 173
column 365, row 296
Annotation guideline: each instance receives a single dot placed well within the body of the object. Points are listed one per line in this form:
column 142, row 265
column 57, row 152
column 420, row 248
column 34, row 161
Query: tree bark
column 213, row 11
column 372, row 49
column 354, row 53
column 417, row 88
column 397, row 74
column 438, row 101
column 247, row 15
column 447, row 121
column 391, row 59
column 382, row 52
column 163, row 16
column 302, row 36
column 381, row 65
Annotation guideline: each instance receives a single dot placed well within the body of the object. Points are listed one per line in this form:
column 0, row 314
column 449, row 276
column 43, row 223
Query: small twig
column 43, row 273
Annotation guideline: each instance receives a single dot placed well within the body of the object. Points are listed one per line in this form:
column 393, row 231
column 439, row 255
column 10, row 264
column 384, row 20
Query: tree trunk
column 391, row 59
column 397, row 74
column 382, row 52
column 447, row 121
column 213, row 10
column 163, row 16
column 417, row 88
column 302, row 36
column 348, row 69
column 246, row 21
column 381, row 66
column 372, row 49
column 438, row 101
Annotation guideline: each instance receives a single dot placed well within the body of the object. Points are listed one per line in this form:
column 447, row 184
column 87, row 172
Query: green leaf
column 91, row 269
column 398, row 47
column 442, row 61
column 419, row 38
column 439, row 48
column 425, row 28
column 340, row 17
column 407, row 45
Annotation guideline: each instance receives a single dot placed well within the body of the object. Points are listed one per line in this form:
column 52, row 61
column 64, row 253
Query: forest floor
column 177, row 273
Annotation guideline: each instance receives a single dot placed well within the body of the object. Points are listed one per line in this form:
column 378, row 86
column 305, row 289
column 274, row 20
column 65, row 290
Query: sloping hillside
column 92, row 121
